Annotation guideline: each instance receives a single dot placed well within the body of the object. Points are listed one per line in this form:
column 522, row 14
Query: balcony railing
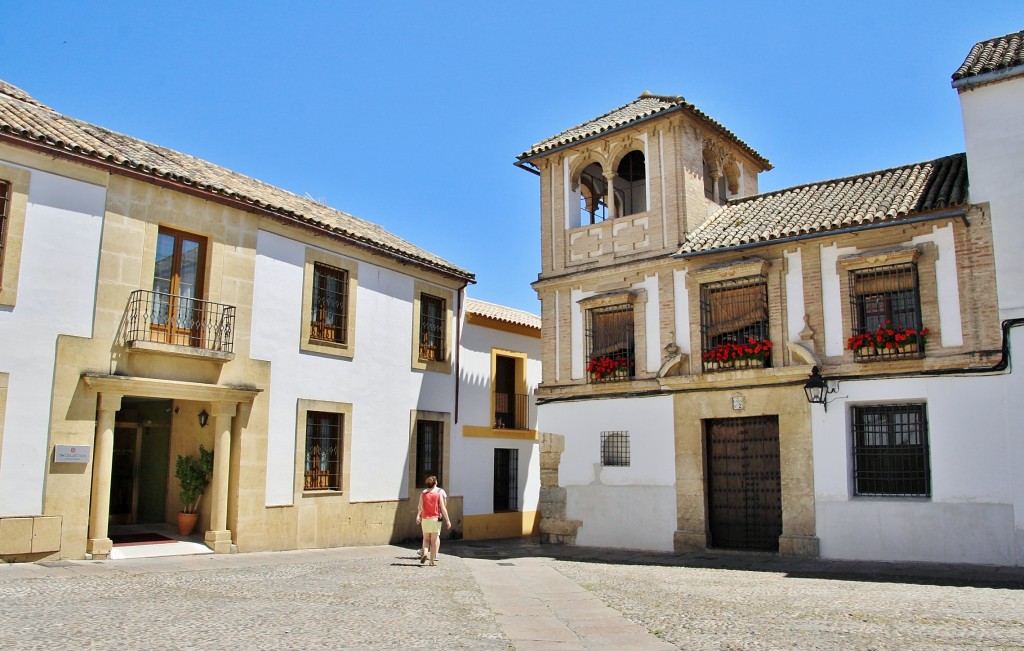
column 179, row 320
column 511, row 411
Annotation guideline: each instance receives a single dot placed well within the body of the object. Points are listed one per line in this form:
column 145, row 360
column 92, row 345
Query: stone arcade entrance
column 228, row 410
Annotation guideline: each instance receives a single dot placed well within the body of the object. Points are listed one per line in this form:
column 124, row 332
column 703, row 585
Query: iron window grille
column 610, row 343
column 890, row 451
column 506, row 479
column 428, row 451
column 323, row 451
column 884, row 302
column 329, row 315
column 734, row 324
column 5, row 192
column 615, row 448
column 431, row 328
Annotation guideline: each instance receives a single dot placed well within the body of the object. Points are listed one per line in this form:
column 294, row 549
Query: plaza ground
column 507, row 595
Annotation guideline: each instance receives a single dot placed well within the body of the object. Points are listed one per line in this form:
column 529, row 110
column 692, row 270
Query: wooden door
column 744, row 483
column 178, row 287
column 124, row 474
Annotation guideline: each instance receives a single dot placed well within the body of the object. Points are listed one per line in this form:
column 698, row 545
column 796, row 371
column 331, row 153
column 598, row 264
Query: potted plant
column 193, row 476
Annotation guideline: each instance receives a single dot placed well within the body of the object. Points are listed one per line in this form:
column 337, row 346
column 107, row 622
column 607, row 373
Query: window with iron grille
column 610, row 343
column 734, row 323
column 890, row 450
column 329, row 317
column 885, row 313
column 506, row 479
column 429, row 441
column 324, row 433
column 614, row 448
column 431, row 328
column 5, row 193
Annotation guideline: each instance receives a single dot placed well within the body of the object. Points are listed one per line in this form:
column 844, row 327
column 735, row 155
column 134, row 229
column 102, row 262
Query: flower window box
column 755, row 353
column 888, row 342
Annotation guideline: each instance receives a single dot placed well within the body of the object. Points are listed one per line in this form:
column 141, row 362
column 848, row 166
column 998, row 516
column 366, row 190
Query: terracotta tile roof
column 24, row 119
column 994, row 54
column 502, row 313
column 642, row 107
column 883, row 196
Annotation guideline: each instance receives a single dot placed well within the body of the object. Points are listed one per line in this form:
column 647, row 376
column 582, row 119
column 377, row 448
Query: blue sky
column 410, row 114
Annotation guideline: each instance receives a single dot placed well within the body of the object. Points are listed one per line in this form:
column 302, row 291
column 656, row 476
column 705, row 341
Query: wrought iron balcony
column 159, row 318
column 511, row 411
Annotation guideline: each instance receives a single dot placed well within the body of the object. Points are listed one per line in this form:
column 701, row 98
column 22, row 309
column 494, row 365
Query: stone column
column 99, row 543
column 218, row 537
column 554, row 527
column 609, row 177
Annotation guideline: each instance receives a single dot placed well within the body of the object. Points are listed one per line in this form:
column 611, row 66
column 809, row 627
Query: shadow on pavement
column 939, row 574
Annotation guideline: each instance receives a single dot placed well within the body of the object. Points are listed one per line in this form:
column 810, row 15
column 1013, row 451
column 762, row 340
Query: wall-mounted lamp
column 817, row 389
column 204, row 417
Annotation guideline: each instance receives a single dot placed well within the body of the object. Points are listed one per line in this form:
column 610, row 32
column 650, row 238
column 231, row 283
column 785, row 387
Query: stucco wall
column 473, row 457
column 994, row 135
column 976, row 461
column 630, row 507
column 377, row 381
column 56, row 296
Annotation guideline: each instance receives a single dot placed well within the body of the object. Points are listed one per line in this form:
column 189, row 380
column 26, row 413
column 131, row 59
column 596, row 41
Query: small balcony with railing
column 511, row 411
column 179, row 325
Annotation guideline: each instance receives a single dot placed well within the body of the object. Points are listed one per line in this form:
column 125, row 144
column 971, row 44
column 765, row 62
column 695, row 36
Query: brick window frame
column 923, row 256
column 636, row 299
column 730, row 271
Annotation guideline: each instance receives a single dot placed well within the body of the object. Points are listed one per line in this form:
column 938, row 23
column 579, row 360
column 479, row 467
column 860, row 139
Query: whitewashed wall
column 994, row 135
column 473, row 458
column 975, row 512
column 56, row 296
column 379, row 381
column 630, row 507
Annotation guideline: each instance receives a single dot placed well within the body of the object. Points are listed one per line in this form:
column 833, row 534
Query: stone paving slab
column 505, row 595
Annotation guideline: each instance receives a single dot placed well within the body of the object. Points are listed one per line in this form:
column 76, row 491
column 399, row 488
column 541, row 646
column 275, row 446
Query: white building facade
column 153, row 305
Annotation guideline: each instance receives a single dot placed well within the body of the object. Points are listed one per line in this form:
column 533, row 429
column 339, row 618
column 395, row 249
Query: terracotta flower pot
column 187, row 522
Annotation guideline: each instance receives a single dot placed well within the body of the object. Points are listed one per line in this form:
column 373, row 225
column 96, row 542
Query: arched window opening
column 709, row 182
column 732, row 177
column 717, row 183
column 593, row 195
column 631, row 184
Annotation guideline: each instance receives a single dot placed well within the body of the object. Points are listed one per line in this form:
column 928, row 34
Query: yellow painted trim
column 505, row 326
column 500, row 525
column 475, row 431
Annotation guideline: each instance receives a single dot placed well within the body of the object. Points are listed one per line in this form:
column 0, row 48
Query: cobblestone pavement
column 506, row 595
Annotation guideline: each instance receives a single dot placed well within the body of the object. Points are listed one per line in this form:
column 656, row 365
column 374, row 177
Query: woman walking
column 431, row 512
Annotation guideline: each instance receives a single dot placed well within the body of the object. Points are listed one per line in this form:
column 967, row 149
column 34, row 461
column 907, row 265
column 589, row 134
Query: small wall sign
column 71, row 453
column 738, row 402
